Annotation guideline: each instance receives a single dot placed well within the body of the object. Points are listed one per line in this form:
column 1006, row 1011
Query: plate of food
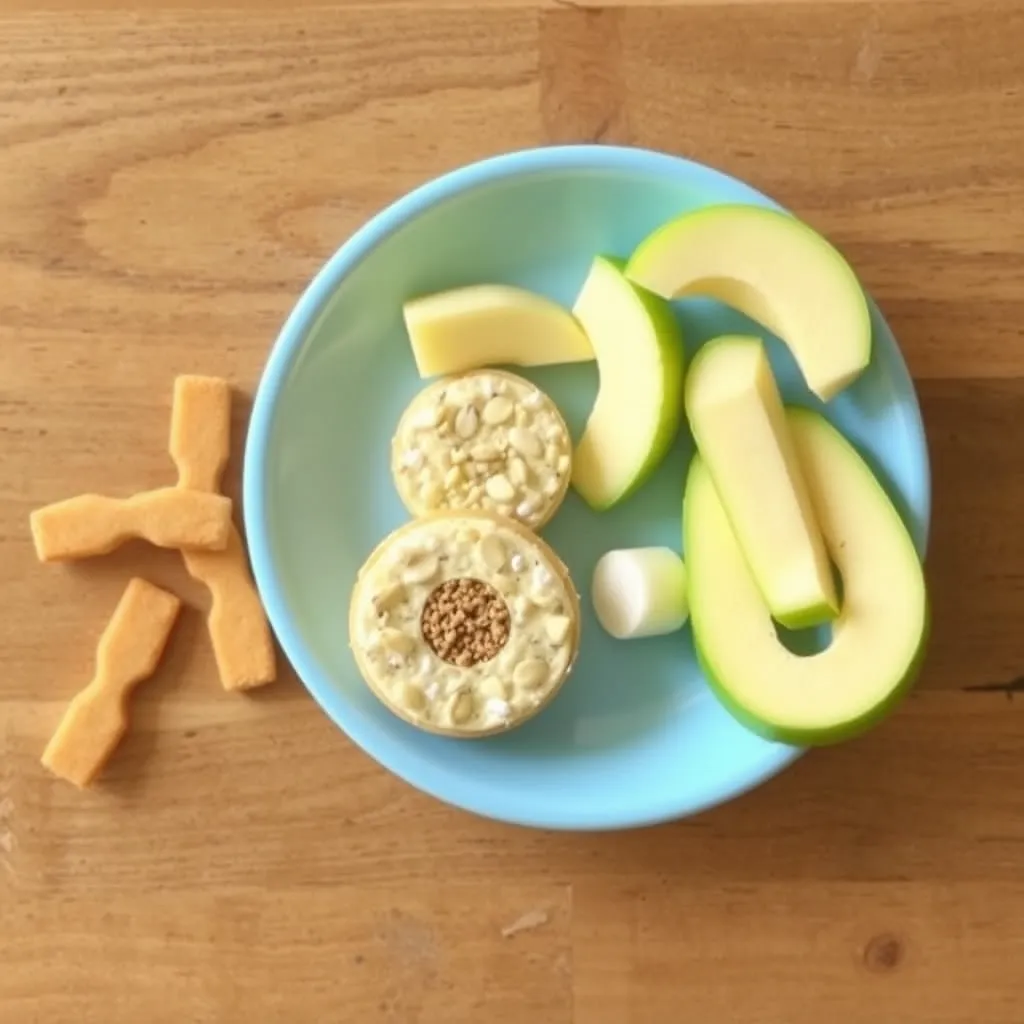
column 585, row 488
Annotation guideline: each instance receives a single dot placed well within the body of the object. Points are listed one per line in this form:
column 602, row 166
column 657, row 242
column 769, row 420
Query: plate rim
column 303, row 316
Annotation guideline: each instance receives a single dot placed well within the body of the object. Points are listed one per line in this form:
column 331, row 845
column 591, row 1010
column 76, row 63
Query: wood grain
column 171, row 174
column 891, row 807
column 430, row 952
column 797, row 954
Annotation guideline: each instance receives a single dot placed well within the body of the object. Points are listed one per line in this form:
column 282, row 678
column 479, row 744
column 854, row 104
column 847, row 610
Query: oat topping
column 485, row 440
column 465, row 622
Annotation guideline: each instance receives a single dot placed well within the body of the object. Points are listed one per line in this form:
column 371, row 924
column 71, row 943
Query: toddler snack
column 487, row 440
column 879, row 636
column 638, row 408
column 740, row 428
column 200, row 431
column 200, row 444
column 640, row 592
column 92, row 524
column 128, row 652
column 488, row 324
column 775, row 269
column 464, row 624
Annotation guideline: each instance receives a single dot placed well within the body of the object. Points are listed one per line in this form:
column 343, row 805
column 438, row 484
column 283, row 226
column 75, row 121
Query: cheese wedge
column 491, row 325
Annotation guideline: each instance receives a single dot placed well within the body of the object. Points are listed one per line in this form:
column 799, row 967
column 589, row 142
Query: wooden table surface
column 171, row 174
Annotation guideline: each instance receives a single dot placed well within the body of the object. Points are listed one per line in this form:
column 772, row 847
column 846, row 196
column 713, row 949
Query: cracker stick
column 201, row 431
column 238, row 626
column 92, row 524
column 128, row 652
column 200, row 443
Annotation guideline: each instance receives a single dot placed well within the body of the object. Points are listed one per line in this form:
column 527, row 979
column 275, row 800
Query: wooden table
column 171, row 174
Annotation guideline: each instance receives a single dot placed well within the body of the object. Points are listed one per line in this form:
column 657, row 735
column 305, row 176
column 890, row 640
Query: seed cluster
column 465, row 621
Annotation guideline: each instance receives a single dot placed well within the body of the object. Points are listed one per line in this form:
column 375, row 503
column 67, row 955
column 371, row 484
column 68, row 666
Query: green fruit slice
column 776, row 270
column 878, row 637
column 639, row 400
column 741, row 432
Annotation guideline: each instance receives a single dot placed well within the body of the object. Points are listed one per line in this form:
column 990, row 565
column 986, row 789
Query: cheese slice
column 491, row 325
column 740, row 429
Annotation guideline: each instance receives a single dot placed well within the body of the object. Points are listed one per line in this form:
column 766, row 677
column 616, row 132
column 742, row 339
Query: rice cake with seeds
column 464, row 624
column 487, row 441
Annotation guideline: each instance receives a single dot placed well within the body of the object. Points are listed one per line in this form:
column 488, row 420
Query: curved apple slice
column 878, row 638
column 777, row 271
column 639, row 398
column 488, row 325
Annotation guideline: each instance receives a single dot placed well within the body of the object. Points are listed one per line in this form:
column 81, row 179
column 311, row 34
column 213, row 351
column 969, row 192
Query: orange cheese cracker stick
column 242, row 645
column 200, row 443
column 201, row 431
column 92, row 524
column 128, row 652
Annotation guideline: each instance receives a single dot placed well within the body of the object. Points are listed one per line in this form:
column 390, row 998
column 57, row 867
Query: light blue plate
column 634, row 737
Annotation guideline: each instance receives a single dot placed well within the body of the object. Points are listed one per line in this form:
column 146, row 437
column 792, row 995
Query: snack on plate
column 92, row 524
column 488, row 441
column 878, row 639
column 464, row 624
column 489, row 325
column 200, row 444
column 128, row 652
column 639, row 592
column 739, row 427
column 636, row 414
column 776, row 270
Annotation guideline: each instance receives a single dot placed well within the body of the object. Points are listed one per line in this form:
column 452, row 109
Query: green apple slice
column 776, row 270
column 740, row 428
column 639, row 399
column 878, row 637
column 490, row 325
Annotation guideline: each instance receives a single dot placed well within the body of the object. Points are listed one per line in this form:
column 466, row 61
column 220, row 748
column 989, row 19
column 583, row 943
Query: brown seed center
column 465, row 622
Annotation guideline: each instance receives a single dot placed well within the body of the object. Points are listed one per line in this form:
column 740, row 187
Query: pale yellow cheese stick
column 128, row 652
column 200, row 444
column 92, row 524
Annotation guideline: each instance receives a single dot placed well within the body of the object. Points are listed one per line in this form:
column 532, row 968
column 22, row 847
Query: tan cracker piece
column 487, row 440
column 464, row 623
column 200, row 444
column 93, row 524
column 128, row 652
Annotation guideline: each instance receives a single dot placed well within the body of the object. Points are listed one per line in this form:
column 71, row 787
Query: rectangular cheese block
column 491, row 325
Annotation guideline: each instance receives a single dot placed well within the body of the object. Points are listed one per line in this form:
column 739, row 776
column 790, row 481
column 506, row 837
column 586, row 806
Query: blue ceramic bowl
column 635, row 737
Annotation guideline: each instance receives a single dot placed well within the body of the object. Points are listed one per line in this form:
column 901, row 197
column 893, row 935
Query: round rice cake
column 487, row 440
column 464, row 624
